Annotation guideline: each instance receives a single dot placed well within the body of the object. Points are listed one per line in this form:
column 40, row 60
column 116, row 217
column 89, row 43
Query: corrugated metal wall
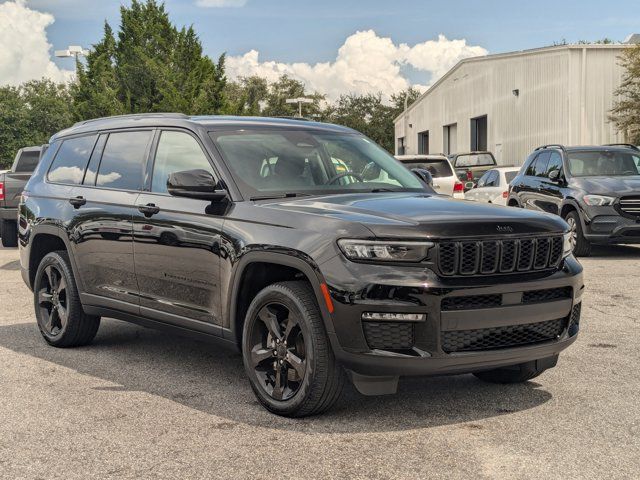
column 554, row 104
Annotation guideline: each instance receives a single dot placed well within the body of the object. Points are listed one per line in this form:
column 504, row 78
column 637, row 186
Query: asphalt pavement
column 141, row 404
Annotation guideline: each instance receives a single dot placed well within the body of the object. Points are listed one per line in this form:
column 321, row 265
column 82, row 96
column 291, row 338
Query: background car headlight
column 598, row 200
column 371, row 250
column 567, row 244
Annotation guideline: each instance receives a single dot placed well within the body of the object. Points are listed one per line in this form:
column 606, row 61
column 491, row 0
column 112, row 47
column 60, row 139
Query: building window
column 450, row 138
column 479, row 134
column 401, row 146
column 423, row 142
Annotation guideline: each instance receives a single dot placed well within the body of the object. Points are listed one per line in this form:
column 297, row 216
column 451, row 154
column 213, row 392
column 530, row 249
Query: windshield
column 310, row 162
column 475, row 160
column 604, row 163
column 437, row 168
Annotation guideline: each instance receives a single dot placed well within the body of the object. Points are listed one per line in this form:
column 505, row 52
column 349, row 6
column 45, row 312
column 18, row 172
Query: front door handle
column 77, row 202
column 148, row 209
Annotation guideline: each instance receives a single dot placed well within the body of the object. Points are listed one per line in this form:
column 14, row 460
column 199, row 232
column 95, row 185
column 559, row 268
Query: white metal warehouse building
column 513, row 102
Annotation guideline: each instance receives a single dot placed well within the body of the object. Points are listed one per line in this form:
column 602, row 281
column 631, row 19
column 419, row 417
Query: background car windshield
column 474, row 160
column 437, row 168
column 310, row 162
column 603, row 163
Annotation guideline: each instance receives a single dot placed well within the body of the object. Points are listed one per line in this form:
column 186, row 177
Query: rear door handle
column 148, row 209
column 77, row 202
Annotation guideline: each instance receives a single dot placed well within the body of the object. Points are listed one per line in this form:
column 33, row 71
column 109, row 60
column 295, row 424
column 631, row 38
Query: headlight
column 567, row 244
column 598, row 200
column 370, row 250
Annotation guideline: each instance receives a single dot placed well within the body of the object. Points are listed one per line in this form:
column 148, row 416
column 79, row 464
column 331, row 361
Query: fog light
column 397, row 317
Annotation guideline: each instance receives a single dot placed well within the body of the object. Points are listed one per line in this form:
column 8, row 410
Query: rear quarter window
column 71, row 160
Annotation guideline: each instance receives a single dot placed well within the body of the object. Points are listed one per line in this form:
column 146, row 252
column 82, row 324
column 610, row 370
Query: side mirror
column 424, row 175
column 198, row 184
column 554, row 175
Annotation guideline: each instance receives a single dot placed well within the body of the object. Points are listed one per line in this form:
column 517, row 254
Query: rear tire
column 9, row 233
column 287, row 354
column 516, row 374
column 582, row 246
column 61, row 319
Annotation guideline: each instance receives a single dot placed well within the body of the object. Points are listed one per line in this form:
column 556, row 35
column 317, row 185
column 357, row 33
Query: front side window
column 123, row 159
column 310, row 162
column 604, row 163
column 71, row 160
column 177, row 151
column 540, row 168
column 555, row 163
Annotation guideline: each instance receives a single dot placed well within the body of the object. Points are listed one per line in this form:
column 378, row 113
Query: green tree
column 30, row 114
column 626, row 110
column 287, row 87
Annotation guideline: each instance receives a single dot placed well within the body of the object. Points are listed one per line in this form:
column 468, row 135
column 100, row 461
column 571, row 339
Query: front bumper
column 433, row 352
column 606, row 225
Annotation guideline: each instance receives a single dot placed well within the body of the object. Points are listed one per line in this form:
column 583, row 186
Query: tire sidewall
column 56, row 260
column 583, row 246
column 279, row 294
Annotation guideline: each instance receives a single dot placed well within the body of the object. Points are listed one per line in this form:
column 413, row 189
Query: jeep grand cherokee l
column 244, row 231
column 596, row 189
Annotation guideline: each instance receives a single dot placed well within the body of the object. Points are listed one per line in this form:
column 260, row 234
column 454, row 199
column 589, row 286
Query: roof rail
column 133, row 115
column 630, row 145
column 551, row 145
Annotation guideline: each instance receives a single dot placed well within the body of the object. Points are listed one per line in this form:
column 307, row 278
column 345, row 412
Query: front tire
column 286, row 352
column 61, row 319
column 9, row 234
column 581, row 246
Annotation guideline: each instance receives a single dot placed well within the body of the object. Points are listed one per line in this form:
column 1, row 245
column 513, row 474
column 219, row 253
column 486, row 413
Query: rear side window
column 555, row 163
column 437, row 168
column 71, row 160
column 27, row 162
column 123, row 159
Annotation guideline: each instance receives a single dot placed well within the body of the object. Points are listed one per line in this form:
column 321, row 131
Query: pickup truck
column 12, row 183
column 470, row 166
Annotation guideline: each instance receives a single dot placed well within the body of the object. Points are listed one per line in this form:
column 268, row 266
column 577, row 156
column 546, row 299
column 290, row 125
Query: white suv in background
column 445, row 180
column 493, row 186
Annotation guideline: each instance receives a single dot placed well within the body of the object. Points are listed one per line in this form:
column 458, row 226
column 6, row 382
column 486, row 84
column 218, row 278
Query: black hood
column 613, row 186
column 416, row 214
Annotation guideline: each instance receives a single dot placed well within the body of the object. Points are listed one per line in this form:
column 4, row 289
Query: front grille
column 501, row 337
column 630, row 205
column 465, row 258
column 389, row 335
column 574, row 319
column 471, row 302
column 547, row 295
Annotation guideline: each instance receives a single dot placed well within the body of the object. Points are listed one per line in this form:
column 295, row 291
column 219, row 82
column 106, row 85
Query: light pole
column 299, row 101
column 72, row 51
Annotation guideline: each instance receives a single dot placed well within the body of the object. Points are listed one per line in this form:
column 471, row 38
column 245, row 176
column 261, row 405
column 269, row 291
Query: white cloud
column 365, row 63
column 221, row 3
column 25, row 52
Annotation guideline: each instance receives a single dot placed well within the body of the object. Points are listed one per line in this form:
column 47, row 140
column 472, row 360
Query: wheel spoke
column 53, row 320
column 297, row 363
column 259, row 354
column 62, row 285
column 62, row 315
column 291, row 323
column 48, row 271
column 278, row 389
column 271, row 321
column 44, row 297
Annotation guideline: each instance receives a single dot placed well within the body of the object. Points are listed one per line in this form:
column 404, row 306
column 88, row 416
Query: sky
column 334, row 46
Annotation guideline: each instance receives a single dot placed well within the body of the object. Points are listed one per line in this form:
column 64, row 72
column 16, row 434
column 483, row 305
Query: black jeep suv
column 595, row 189
column 264, row 234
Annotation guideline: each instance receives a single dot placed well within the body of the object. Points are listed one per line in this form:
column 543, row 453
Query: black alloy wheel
column 52, row 301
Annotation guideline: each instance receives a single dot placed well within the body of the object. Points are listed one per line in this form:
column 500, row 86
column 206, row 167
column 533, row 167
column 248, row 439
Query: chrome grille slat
column 630, row 205
column 493, row 257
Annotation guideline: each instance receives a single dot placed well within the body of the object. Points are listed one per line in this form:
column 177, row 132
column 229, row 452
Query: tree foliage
column 30, row 114
column 626, row 111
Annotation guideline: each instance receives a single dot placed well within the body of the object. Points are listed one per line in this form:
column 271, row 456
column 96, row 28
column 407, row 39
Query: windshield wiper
column 383, row 189
column 280, row 195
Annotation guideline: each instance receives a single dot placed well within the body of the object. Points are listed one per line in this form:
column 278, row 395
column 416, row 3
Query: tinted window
column 603, row 163
column 123, row 159
column 437, row 168
column 509, row 176
column 475, row 160
column 540, row 168
column 555, row 163
column 27, row 162
column 71, row 160
column 176, row 151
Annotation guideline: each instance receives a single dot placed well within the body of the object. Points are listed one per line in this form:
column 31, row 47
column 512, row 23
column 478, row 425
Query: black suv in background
column 595, row 189
column 265, row 234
